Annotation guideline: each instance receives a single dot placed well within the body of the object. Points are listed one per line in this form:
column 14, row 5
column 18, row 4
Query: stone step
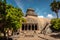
column 29, row 35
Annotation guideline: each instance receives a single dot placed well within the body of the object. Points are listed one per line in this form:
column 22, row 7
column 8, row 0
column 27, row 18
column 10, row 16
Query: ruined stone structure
column 34, row 28
column 33, row 23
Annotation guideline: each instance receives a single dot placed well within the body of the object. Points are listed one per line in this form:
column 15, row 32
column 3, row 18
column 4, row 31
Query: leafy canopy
column 13, row 17
column 55, row 7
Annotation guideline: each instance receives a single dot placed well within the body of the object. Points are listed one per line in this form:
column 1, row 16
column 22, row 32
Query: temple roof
column 30, row 9
column 30, row 12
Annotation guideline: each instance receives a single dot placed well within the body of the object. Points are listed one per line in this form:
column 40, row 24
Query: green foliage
column 13, row 17
column 55, row 23
column 23, row 20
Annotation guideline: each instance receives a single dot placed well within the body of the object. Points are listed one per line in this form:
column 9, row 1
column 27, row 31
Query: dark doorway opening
column 29, row 28
column 22, row 26
column 33, row 27
column 25, row 27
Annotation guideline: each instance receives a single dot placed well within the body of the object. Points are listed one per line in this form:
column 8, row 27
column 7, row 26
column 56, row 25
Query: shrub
column 55, row 23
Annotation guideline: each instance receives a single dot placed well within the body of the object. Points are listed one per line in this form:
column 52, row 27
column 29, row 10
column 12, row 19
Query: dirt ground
column 53, row 36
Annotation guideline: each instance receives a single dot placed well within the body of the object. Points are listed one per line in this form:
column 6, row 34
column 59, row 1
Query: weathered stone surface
column 48, row 30
column 36, row 37
column 42, row 23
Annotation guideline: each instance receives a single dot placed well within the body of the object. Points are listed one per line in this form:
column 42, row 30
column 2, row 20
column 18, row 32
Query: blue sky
column 41, row 7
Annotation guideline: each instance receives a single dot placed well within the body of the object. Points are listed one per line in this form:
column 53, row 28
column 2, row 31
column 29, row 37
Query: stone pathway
column 40, row 37
column 34, row 37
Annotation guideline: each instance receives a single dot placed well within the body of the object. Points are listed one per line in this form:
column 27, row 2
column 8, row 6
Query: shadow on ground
column 5, row 38
column 56, row 36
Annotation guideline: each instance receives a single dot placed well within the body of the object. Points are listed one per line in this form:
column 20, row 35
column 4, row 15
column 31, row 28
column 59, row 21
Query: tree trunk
column 57, row 15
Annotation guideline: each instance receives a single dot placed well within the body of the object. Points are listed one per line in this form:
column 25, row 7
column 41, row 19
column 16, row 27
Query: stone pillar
column 37, row 27
column 31, row 26
column 34, row 27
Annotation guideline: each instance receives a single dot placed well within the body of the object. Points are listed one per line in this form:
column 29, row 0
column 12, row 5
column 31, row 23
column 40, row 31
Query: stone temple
column 33, row 22
column 33, row 28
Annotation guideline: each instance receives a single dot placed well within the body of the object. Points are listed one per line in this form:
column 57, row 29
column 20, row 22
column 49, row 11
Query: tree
column 58, row 5
column 54, row 7
column 11, row 17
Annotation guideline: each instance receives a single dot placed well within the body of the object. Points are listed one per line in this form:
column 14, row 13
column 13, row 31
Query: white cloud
column 40, row 16
column 50, row 16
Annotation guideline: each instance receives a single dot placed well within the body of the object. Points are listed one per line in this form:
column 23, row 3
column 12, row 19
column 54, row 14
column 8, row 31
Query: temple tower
column 30, row 12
